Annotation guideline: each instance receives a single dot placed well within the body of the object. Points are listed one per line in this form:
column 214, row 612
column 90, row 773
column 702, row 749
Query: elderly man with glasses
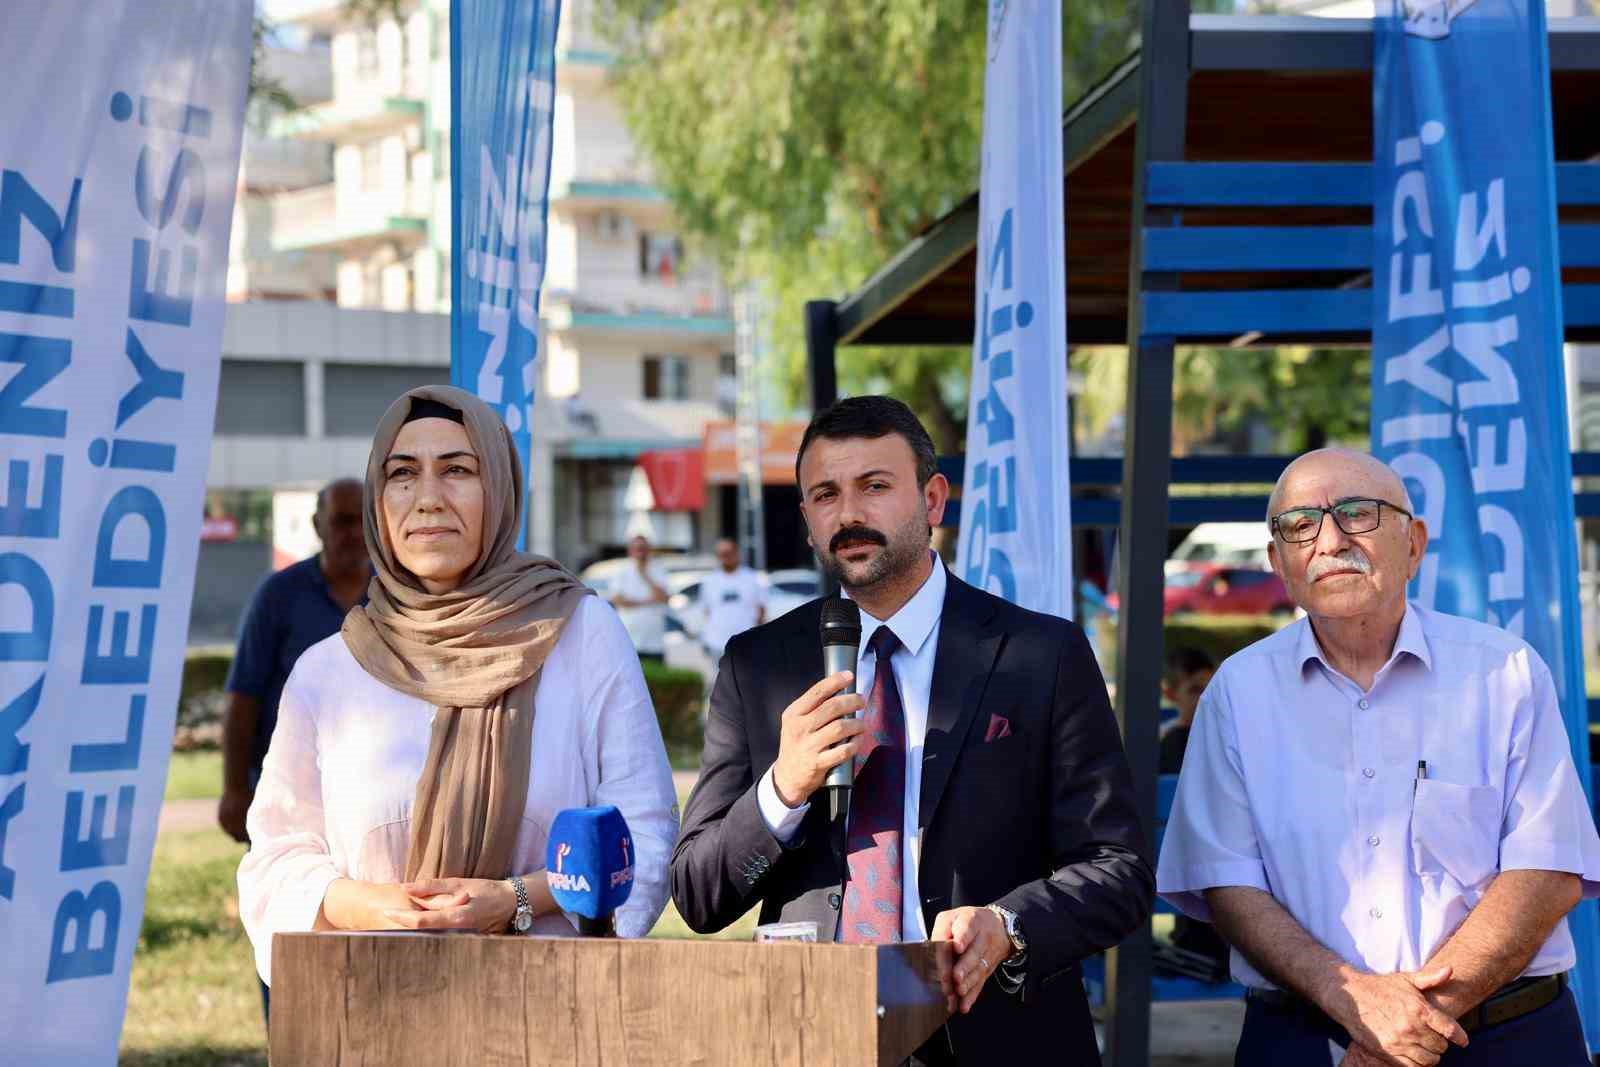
column 1379, row 811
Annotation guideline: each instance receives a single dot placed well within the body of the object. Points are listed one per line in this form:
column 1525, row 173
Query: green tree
column 804, row 144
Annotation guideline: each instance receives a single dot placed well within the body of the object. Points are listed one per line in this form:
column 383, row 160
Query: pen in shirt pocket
column 1422, row 772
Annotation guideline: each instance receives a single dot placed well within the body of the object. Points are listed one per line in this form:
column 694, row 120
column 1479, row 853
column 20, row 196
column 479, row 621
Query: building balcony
column 320, row 14
column 270, row 164
column 693, row 294
column 563, row 317
column 583, row 194
column 310, row 220
column 579, row 45
column 350, row 117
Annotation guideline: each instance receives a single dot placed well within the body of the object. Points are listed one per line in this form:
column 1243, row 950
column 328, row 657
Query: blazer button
column 833, row 901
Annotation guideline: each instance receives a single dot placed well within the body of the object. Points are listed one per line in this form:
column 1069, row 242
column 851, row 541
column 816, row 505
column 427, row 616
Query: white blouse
column 336, row 790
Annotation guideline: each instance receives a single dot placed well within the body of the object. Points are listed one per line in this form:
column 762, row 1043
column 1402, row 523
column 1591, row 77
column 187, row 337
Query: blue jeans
column 1552, row 1036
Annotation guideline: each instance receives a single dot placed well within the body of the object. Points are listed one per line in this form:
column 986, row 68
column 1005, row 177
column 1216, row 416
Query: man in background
column 734, row 597
column 292, row 610
column 641, row 601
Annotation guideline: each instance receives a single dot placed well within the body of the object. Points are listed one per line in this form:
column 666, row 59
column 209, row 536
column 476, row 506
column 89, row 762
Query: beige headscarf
column 474, row 652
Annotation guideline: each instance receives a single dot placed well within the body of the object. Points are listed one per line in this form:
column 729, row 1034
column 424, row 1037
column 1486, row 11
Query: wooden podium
column 395, row 999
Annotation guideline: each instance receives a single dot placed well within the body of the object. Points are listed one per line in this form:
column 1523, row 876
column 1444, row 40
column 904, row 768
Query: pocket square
column 999, row 726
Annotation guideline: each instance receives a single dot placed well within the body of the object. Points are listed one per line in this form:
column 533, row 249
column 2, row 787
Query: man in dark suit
column 992, row 804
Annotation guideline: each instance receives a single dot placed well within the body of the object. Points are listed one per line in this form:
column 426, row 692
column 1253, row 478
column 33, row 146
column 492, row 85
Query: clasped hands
column 482, row 904
column 980, row 945
column 1393, row 1019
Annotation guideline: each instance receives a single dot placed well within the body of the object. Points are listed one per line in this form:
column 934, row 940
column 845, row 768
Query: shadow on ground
column 195, row 1056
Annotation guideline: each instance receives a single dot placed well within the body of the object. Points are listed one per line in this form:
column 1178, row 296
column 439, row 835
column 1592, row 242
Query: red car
column 1216, row 589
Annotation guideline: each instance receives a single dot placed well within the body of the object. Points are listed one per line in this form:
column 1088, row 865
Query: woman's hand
column 480, row 904
column 352, row 905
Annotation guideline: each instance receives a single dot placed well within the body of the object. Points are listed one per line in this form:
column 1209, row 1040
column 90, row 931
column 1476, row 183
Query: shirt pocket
column 1455, row 832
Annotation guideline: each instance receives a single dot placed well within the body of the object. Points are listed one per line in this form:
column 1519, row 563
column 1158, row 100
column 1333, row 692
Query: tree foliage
column 804, row 144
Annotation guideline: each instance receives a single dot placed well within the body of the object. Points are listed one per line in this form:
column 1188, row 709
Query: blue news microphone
column 589, row 864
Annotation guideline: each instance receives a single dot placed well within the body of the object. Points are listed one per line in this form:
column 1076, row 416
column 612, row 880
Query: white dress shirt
column 340, row 777
column 1297, row 783
column 916, row 624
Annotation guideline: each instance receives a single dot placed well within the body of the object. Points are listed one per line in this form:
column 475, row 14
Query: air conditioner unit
column 612, row 226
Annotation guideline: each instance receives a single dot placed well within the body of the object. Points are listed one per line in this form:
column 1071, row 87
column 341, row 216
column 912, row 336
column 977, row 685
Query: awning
column 780, row 444
column 677, row 478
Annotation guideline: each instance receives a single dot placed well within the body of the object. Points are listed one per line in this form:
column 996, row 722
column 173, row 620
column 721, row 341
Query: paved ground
column 1194, row 1034
column 181, row 816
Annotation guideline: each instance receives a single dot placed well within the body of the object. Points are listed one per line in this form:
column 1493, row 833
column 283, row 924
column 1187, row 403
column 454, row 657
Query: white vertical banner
column 119, row 149
column 1016, row 520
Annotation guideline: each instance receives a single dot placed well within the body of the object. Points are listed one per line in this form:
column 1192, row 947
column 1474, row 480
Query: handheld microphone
column 589, row 866
column 841, row 644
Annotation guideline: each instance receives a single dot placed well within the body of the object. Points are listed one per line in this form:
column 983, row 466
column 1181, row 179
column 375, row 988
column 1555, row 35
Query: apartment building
column 339, row 276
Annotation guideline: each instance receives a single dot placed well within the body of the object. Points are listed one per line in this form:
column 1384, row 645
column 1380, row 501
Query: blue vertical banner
column 120, row 134
column 502, row 103
column 1016, row 522
column 1468, row 387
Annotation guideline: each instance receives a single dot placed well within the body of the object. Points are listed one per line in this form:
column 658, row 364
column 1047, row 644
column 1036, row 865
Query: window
column 367, row 53
column 355, row 395
column 238, row 515
column 372, row 165
column 666, row 378
column 261, row 398
column 660, row 256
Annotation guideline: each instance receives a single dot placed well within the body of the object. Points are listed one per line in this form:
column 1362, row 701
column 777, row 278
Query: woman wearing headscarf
column 422, row 752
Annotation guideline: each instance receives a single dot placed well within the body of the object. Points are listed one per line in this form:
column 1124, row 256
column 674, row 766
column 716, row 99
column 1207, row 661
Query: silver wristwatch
column 522, row 921
column 1019, row 943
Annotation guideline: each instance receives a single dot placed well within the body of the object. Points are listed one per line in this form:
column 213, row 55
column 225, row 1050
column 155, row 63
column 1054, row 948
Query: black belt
column 1510, row 1001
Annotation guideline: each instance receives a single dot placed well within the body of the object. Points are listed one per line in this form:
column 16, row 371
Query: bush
column 1219, row 636
column 201, row 699
column 678, row 696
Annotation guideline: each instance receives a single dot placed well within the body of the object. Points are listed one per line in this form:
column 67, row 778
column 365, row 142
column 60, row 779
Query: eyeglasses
column 1299, row 525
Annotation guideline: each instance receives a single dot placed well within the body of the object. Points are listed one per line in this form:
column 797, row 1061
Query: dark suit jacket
column 1041, row 822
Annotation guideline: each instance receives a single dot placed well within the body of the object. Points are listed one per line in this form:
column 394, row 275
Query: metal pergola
column 1218, row 190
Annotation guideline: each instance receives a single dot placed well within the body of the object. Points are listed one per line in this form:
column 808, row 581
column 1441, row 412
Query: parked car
column 686, row 616
column 602, row 576
column 1223, row 590
column 788, row 589
column 1238, row 544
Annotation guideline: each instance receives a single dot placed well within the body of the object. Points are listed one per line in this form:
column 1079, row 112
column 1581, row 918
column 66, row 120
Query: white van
column 1235, row 544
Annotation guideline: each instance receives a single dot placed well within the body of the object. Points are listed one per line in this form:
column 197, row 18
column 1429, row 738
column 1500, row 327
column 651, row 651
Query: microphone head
column 589, row 861
column 841, row 622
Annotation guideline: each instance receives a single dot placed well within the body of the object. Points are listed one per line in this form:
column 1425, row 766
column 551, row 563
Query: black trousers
column 1552, row 1036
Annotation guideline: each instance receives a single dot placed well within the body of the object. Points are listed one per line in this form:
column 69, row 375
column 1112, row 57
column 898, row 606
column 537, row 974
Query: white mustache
column 1353, row 560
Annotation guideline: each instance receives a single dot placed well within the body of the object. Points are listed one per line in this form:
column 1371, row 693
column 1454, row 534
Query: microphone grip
column 836, row 658
column 602, row 927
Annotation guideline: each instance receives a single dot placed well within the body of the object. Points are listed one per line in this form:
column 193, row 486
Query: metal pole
column 822, row 336
column 1146, row 471
column 749, row 317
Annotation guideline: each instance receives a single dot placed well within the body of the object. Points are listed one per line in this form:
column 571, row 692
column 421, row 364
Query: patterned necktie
column 877, row 810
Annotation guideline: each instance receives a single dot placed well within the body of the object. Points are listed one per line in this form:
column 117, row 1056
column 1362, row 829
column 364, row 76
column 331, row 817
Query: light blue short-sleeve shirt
column 1297, row 783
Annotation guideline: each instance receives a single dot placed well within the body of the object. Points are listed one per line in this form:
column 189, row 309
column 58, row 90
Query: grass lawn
column 193, row 997
column 195, row 775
